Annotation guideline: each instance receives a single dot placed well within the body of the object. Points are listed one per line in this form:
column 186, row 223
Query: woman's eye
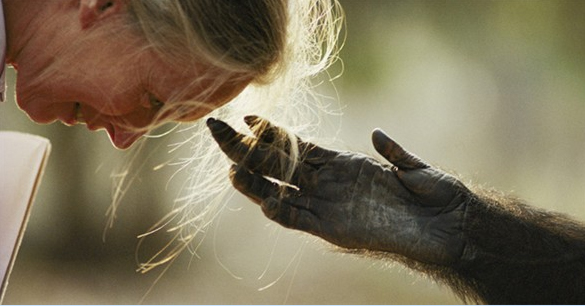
column 154, row 101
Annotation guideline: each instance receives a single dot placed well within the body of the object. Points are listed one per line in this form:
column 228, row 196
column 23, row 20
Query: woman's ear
column 92, row 11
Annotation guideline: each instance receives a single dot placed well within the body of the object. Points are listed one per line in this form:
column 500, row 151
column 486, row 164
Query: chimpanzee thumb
column 394, row 153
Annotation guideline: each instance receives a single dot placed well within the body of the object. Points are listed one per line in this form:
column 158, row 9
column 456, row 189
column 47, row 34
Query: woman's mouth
column 71, row 117
column 78, row 114
column 121, row 137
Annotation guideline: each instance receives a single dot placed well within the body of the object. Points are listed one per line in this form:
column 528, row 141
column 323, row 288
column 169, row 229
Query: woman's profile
column 130, row 66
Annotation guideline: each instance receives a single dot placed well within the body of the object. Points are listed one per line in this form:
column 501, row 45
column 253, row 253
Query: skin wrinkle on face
column 108, row 75
column 126, row 106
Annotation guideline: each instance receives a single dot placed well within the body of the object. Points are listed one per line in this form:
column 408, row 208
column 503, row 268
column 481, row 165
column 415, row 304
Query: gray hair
column 281, row 45
column 246, row 37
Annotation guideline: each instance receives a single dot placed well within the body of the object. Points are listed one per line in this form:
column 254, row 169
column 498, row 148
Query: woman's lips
column 77, row 116
column 73, row 116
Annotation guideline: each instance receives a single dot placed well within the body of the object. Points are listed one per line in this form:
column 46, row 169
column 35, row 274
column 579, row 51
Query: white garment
column 22, row 160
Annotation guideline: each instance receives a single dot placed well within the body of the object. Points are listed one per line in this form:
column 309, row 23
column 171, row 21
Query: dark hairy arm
column 517, row 254
column 487, row 247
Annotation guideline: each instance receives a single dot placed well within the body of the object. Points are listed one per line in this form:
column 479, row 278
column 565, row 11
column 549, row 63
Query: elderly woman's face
column 119, row 93
column 106, row 79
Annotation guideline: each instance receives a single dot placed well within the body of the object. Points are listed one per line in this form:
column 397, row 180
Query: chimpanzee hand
column 350, row 199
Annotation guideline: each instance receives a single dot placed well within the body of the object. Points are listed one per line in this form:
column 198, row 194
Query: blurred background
column 491, row 90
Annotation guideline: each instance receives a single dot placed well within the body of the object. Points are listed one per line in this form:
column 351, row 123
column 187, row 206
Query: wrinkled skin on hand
column 350, row 199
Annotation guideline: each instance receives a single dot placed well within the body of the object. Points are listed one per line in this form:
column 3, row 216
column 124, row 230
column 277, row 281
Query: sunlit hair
column 234, row 42
column 280, row 46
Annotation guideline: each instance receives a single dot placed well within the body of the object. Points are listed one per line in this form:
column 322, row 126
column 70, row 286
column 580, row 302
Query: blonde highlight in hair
column 237, row 36
column 282, row 46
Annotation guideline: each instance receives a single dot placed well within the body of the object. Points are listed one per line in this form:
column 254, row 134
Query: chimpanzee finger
column 255, row 186
column 235, row 145
column 266, row 159
column 244, row 151
column 269, row 134
column 284, row 212
column 263, row 129
column 252, row 185
column 395, row 154
column 279, row 203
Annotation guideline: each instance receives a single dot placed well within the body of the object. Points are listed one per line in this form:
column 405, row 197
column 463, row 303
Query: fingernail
column 215, row 124
column 210, row 121
column 251, row 119
column 378, row 134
